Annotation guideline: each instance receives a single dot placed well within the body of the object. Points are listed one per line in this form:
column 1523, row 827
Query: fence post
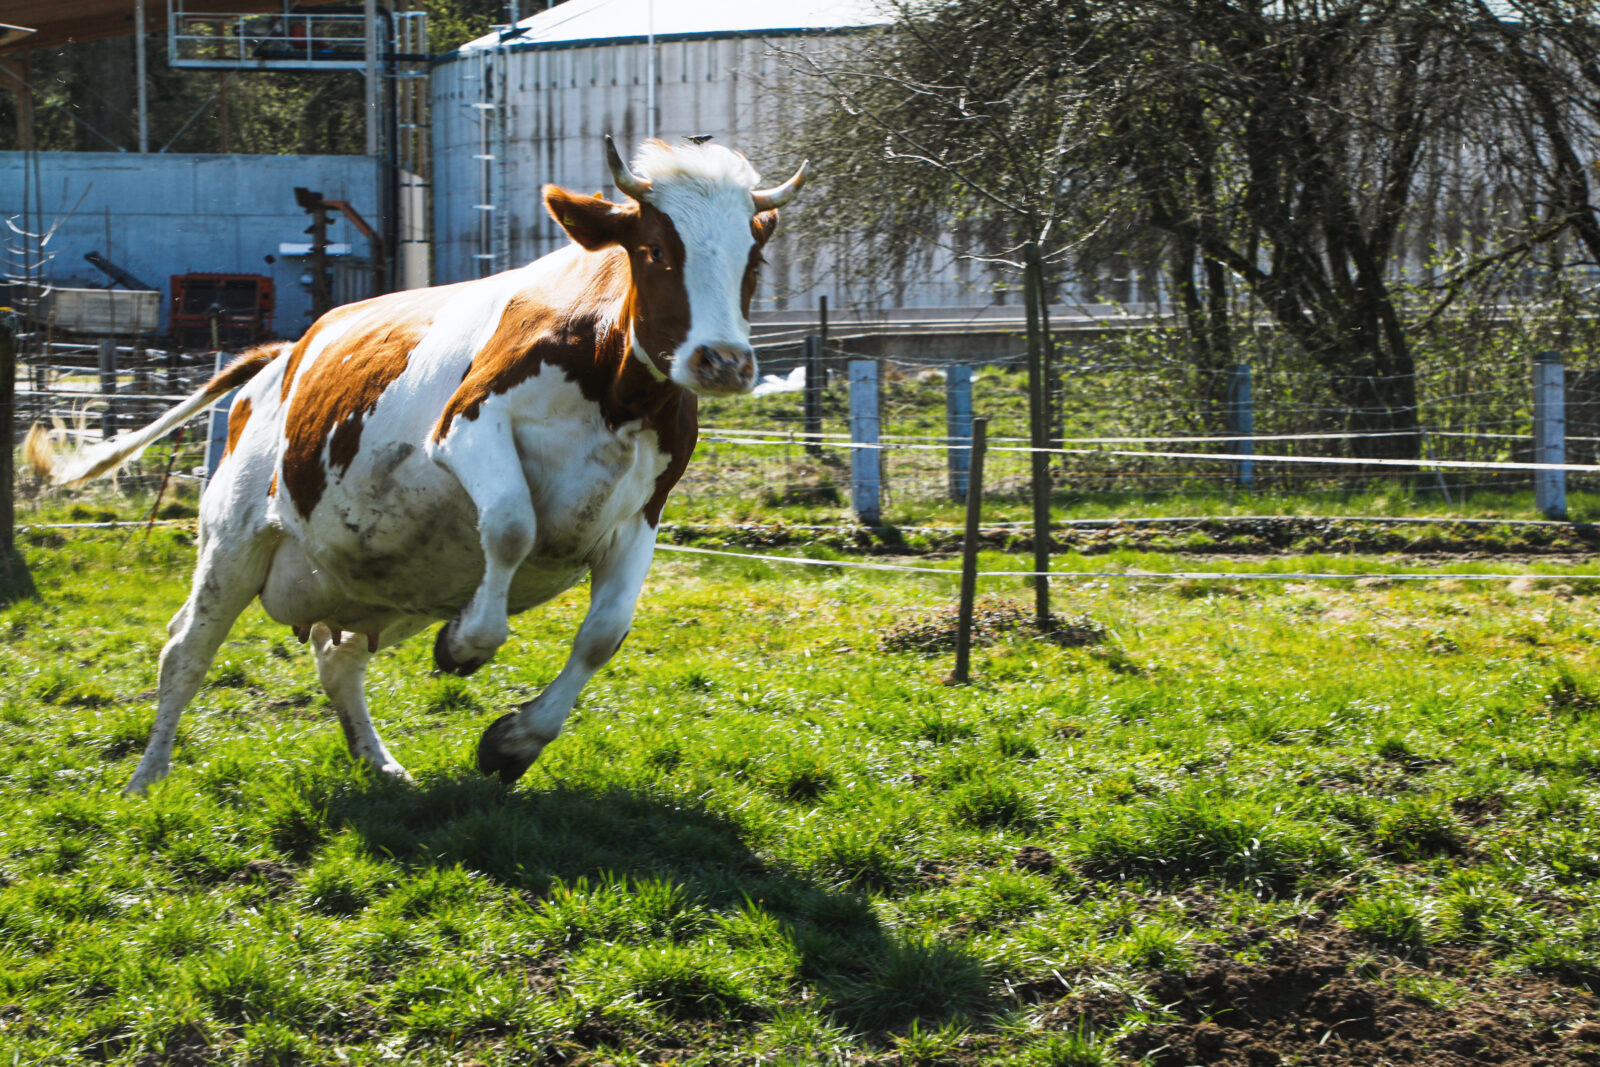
column 865, row 458
column 1038, row 436
column 108, row 386
column 958, row 427
column 1242, row 421
column 8, row 397
column 969, row 557
column 1550, row 433
column 812, row 402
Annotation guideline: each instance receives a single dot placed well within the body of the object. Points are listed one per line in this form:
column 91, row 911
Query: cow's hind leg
column 511, row 744
column 342, row 669
column 226, row 578
column 482, row 455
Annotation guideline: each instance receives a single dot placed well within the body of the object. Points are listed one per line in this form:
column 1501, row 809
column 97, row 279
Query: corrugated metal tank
column 512, row 112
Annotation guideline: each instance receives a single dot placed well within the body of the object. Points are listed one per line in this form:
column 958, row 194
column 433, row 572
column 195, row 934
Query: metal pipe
column 373, row 118
column 650, row 70
column 139, row 65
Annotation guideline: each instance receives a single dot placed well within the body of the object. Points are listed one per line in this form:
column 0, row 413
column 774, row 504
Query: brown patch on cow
column 580, row 325
column 238, row 415
column 634, row 278
column 292, row 371
column 272, row 486
column 658, row 305
column 677, row 437
column 342, row 386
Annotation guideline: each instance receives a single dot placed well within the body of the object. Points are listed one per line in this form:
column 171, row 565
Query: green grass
column 764, row 836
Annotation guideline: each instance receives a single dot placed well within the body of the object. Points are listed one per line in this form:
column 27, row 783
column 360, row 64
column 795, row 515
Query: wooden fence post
column 1242, row 421
column 812, row 401
column 1038, row 437
column 1550, row 433
column 8, row 384
column 958, row 427
column 865, row 458
column 961, row 674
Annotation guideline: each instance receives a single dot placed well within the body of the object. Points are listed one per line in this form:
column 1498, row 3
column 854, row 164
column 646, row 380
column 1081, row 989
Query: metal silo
column 529, row 105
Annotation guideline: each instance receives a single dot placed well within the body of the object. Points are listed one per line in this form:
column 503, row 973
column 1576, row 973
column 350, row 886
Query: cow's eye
column 655, row 254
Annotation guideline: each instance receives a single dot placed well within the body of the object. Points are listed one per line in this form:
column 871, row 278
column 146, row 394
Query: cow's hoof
column 445, row 661
column 493, row 759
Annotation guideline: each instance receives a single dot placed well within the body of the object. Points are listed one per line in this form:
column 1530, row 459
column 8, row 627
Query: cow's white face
column 694, row 234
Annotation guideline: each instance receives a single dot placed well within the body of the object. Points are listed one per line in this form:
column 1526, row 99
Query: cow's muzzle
column 723, row 369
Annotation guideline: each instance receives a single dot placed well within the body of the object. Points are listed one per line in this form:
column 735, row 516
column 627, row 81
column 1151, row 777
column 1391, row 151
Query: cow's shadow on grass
column 538, row 835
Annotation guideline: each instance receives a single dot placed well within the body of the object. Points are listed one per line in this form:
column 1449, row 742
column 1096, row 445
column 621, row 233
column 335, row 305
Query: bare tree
column 1286, row 153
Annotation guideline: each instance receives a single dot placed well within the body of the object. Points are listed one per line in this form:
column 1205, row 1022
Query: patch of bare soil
column 1309, row 1002
column 274, row 876
column 1217, row 537
column 934, row 632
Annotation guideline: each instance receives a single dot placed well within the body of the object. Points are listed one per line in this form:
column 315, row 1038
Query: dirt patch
column 1320, row 999
column 274, row 876
column 1240, row 537
column 1034, row 859
column 934, row 632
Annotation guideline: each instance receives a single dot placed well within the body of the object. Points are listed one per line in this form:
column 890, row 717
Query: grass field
column 1228, row 823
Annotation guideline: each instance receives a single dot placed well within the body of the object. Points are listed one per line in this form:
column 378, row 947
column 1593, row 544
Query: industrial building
column 459, row 146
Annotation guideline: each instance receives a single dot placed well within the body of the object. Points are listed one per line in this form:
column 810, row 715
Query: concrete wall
column 158, row 215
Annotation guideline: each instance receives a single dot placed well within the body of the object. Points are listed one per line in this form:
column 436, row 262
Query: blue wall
column 157, row 215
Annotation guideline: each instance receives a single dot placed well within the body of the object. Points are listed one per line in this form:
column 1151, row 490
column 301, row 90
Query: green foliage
column 916, row 978
column 1070, row 1050
column 1392, row 917
column 614, row 910
column 1197, row 832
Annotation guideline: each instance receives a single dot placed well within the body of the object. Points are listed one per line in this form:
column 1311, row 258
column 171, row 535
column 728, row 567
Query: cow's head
column 693, row 228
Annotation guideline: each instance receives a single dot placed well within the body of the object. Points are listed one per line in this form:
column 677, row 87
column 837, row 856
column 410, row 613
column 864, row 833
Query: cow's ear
column 591, row 221
column 763, row 224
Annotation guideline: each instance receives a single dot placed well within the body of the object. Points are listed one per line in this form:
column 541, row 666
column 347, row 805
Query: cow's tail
column 68, row 465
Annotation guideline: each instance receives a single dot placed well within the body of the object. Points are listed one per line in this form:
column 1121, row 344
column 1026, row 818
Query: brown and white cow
column 468, row 451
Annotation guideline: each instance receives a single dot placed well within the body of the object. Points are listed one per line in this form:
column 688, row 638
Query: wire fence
column 1130, row 420
column 92, row 390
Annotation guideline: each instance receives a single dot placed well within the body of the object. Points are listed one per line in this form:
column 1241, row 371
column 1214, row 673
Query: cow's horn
column 767, row 199
column 626, row 180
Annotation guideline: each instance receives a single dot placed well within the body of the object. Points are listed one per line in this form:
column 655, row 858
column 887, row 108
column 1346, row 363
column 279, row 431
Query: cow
column 466, row 452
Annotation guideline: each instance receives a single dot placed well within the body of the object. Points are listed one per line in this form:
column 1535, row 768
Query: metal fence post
column 865, row 458
column 1242, row 421
column 958, row 427
column 812, row 402
column 108, row 386
column 1550, row 433
column 217, row 429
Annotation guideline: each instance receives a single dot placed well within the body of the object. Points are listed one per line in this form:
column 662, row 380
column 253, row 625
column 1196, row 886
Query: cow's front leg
column 482, row 455
column 342, row 668
column 514, row 741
